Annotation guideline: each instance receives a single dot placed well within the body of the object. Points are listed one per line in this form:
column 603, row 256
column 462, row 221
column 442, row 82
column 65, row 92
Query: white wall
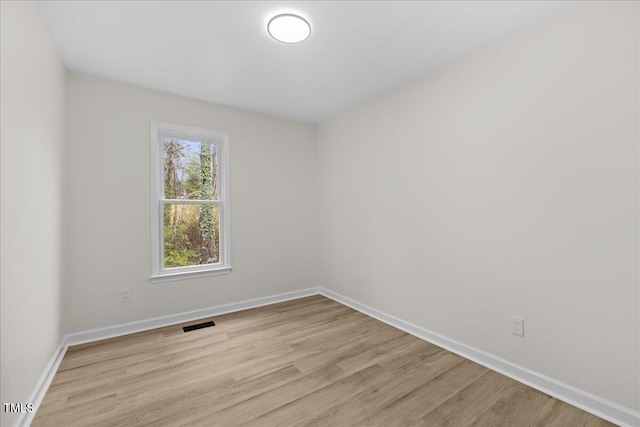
column 107, row 243
column 503, row 184
column 32, row 117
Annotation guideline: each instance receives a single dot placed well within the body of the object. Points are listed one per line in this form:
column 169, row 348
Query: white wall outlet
column 517, row 326
column 360, row 279
column 125, row 296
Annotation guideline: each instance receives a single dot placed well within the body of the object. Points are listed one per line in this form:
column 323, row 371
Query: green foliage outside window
column 191, row 231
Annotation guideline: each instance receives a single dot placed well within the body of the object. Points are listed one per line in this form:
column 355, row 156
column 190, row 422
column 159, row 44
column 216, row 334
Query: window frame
column 158, row 131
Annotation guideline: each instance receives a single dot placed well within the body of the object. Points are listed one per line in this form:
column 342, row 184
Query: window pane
column 190, row 169
column 191, row 235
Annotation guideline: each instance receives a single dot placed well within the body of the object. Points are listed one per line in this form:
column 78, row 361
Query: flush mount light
column 289, row 28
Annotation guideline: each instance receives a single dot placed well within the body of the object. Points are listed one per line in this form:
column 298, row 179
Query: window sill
column 183, row 275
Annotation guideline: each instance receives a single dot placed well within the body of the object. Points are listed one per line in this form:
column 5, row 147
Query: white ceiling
column 221, row 52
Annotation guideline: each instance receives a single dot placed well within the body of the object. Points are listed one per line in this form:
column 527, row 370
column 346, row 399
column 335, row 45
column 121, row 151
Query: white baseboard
column 576, row 397
column 602, row 408
column 173, row 319
column 25, row 418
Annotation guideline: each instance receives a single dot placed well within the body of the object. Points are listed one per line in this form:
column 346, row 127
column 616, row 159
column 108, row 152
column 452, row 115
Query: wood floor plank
column 390, row 386
column 313, row 404
column 310, row 361
column 465, row 406
column 245, row 411
column 409, row 408
column 562, row 414
column 524, row 405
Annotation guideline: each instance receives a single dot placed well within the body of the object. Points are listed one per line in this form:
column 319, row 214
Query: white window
column 189, row 202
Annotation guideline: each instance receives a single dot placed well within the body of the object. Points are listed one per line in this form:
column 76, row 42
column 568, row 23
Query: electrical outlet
column 125, row 296
column 360, row 279
column 517, row 326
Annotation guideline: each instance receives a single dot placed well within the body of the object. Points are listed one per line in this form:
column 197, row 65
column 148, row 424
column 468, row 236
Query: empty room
column 320, row 213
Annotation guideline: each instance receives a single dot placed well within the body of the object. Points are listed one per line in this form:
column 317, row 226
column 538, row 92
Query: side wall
column 32, row 107
column 107, row 235
column 503, row 184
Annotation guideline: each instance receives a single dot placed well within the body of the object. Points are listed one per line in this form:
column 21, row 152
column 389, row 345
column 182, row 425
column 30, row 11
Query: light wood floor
column 310, row 361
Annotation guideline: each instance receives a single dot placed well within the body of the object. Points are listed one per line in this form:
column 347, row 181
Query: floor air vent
column 198, row 326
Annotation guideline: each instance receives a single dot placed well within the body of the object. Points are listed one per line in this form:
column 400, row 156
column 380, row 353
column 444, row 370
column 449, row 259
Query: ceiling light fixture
column 289, row 28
